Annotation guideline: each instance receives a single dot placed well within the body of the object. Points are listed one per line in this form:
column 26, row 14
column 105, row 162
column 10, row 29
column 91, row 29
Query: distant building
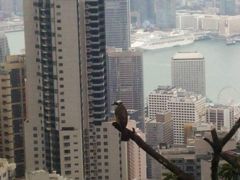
column 125, row 80
column 44, row 175
column 150, row 11
column 138, row 10
column 157, row 99
column 12, row 96
column 195, row 158
column 165, row 14
column 188, row 72
column 221, row 116
column 7, row 170
column 185, row 107
column 159, row 131
column 228, row 7
column 18, row 7
column 4, row 48
column 187, row 21
column 117, row 15
column 6, row 7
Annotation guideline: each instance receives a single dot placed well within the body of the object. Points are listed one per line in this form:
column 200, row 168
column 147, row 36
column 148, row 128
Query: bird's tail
column 124, row 135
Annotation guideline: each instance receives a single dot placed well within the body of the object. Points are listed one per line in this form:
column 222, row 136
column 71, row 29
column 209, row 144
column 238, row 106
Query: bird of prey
column 121, row 118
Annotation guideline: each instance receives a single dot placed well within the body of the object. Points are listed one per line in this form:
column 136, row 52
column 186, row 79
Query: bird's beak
column 115, row 103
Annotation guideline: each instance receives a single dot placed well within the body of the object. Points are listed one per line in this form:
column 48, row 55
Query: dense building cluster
column 56, row 100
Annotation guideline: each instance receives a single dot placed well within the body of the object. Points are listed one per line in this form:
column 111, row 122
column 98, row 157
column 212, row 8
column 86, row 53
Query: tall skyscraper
column 4, row 49
column 6, row 7
column 227, row 7
column 138, row 11
column 117, row 23
column 13, row 112
column 66, row 83
column 150, row 11
column 17, row 7
column 188, row 72
column 165, row 14
column 125, row 80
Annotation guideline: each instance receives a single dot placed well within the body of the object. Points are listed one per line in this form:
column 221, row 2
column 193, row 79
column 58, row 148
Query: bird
column 121, row 115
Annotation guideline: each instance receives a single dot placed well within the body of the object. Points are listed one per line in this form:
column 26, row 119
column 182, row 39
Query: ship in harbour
column 158, row 39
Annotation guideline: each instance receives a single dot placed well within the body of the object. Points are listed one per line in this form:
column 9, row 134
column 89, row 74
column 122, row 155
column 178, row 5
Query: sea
column 222, row 67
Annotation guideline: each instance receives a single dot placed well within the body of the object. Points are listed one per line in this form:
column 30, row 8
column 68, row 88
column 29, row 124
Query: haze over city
column 77, row 75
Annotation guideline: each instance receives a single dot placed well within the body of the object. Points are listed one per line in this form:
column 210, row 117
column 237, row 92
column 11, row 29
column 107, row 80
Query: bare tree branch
column 217, row 145
column 231, row 160
column 148, row 149
column 209, row 142
column 231, row 133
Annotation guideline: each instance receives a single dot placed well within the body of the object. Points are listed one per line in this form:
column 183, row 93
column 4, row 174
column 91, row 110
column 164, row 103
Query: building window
column 66, row 137
column 67, row 172
column 67, row 158
column 66, row 144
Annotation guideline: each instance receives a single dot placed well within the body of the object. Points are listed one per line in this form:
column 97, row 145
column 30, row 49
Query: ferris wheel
column 229, row 96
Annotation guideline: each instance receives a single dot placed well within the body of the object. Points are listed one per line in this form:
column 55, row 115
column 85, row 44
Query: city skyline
column 81, row 56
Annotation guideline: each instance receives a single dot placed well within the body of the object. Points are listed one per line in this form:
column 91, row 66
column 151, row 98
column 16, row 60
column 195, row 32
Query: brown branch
column 209, row 142
column 231, row 133
column 217, row 145
column 231, row 160
column 148, row 149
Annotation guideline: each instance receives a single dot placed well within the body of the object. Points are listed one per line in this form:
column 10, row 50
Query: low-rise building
column 43, row 175
column 7, row 170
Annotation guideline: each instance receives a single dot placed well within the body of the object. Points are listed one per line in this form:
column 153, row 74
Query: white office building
column 185, row 107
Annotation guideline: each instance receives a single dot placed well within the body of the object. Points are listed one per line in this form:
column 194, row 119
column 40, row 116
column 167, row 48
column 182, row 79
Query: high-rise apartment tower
column 118, row 23
column 66, row 82
column 125, row 80
column 13, row 112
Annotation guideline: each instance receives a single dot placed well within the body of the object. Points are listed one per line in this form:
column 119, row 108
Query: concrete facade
column 4, row 48
column 7, row 170
column 13, row 111
column 125, row 80
column 66, row 83
column 185, row 107
column 118, row 21
column 188, row 72
column 221, row 116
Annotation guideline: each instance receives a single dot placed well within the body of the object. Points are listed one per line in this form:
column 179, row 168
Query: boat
column 230, row 41
column 158, row 40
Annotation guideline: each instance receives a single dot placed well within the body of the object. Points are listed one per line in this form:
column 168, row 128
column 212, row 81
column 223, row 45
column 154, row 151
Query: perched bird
column 121, row 118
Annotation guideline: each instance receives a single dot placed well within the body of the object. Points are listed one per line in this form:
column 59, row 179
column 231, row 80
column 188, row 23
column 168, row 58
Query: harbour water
column 222, row 66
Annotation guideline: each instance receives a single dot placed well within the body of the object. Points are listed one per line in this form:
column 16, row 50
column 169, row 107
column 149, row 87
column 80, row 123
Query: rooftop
column 187, row 56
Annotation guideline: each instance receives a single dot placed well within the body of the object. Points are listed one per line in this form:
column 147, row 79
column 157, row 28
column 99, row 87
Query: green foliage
column 169, row 176
column 228, row 172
